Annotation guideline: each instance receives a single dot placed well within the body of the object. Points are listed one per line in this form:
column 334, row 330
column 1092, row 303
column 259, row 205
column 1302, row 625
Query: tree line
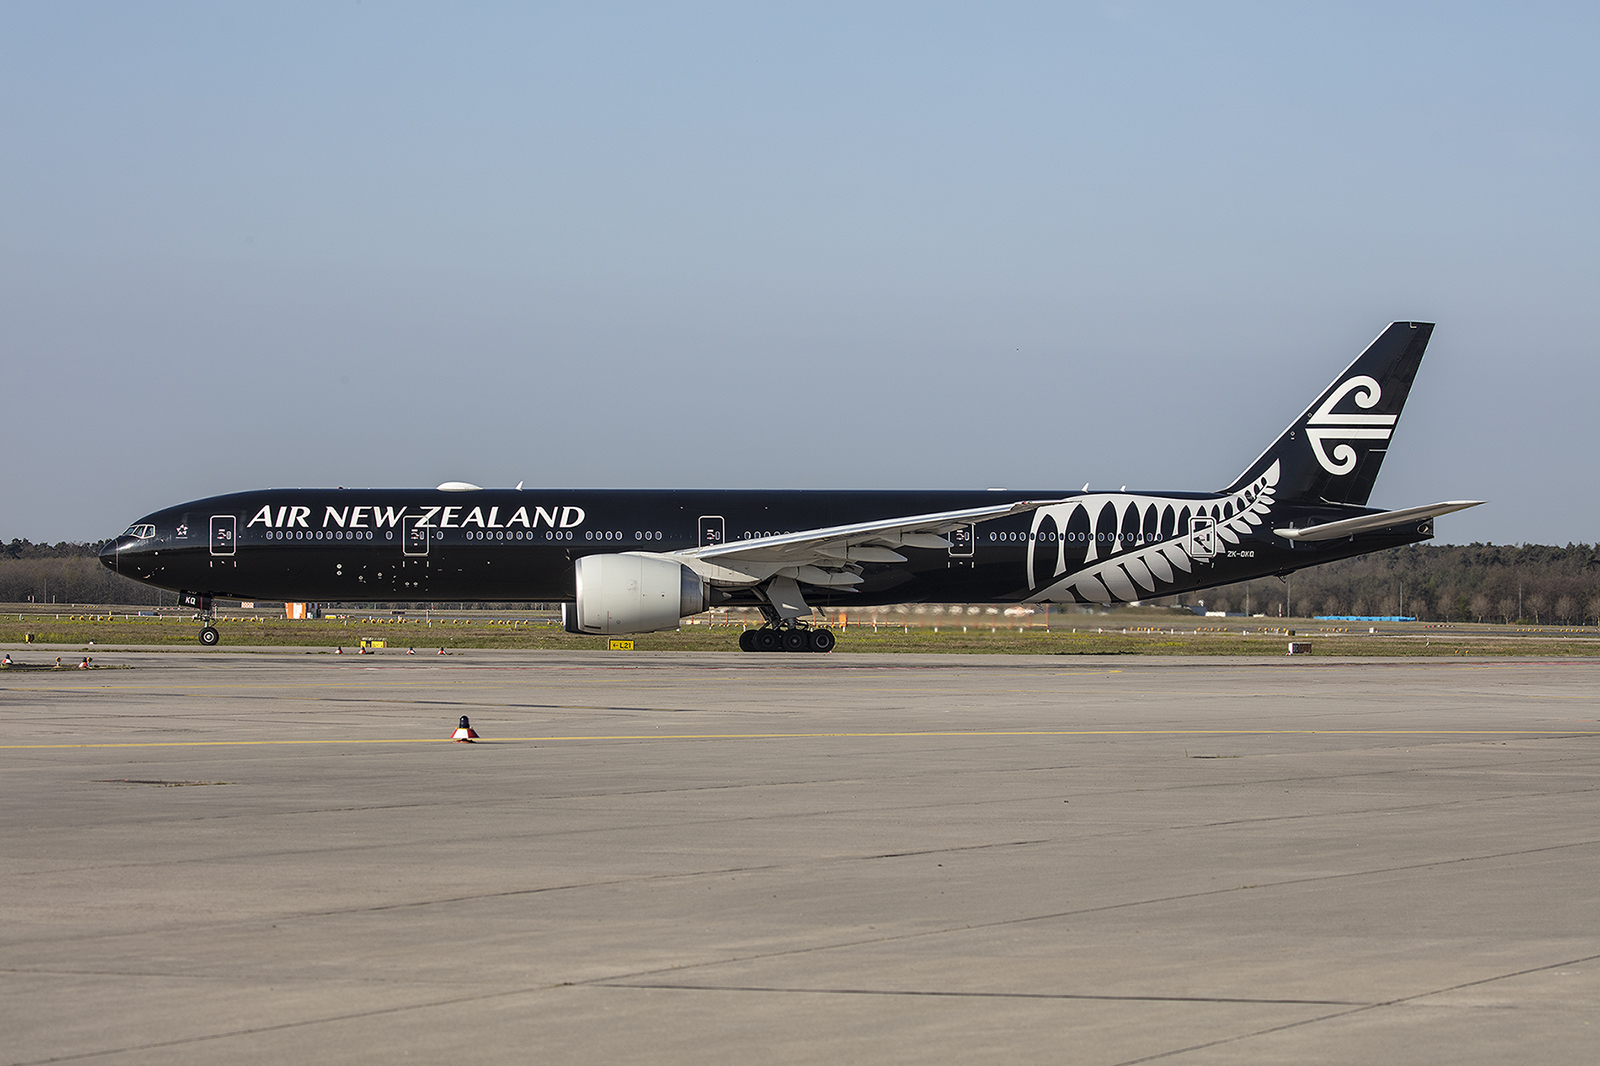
column 68, row 572
column 1535, row 583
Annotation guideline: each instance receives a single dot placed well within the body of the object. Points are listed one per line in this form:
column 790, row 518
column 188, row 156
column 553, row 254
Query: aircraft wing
column 1367, row 523
column 831, row 555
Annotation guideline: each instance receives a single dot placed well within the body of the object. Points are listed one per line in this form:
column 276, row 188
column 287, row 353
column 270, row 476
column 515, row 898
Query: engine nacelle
column 633, row 592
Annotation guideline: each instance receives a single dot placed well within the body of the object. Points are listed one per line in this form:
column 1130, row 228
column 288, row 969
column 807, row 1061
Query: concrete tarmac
column 268, row 856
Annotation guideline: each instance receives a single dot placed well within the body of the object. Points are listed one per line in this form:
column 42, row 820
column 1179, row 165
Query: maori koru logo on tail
column 1325, row 425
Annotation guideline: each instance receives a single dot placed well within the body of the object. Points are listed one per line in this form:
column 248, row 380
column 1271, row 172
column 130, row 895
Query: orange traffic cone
column 464, row 733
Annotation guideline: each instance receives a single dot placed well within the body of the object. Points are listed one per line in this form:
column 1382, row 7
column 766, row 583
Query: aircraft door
column 1202, row 538
column 414, row 536
column 224, row 530
column 712, row 530
column 963, row 540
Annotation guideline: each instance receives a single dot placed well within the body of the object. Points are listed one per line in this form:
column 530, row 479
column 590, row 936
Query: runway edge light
column 464, row 733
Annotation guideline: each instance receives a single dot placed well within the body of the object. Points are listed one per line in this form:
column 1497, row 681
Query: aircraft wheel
column 764, row 640
column 747, row 640
column 210, row 637
column 796, row 640
column 822, row 640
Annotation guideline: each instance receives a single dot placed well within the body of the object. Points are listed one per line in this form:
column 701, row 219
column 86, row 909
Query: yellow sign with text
column 622, row 645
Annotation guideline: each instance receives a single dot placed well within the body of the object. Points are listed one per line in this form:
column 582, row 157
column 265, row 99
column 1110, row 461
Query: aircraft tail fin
column 1332, row 452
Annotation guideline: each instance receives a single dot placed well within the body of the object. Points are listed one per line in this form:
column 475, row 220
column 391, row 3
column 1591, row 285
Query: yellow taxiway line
column 951, row 733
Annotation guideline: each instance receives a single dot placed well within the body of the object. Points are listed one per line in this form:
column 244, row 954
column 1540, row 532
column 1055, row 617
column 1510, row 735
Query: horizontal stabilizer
column 1349, row 527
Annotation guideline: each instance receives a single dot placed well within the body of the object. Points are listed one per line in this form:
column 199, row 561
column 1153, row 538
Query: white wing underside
column 832, row 556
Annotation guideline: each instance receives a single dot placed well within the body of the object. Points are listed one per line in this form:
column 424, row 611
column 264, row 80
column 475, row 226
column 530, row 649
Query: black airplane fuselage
column 520, row 546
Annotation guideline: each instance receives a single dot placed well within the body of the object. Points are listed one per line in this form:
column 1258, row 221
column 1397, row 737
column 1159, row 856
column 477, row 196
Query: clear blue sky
column 863, row 245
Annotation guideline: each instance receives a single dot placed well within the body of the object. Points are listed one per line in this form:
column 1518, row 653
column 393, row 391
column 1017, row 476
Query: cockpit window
column 144, row 531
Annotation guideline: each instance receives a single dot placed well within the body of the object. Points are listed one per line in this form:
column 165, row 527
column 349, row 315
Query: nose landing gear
column 209, row 635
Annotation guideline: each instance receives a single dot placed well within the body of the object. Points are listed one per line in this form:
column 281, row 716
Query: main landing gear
column 782, row 607
column 791, row 638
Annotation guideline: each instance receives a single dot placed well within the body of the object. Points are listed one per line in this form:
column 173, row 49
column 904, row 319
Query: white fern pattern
column 1117, row 570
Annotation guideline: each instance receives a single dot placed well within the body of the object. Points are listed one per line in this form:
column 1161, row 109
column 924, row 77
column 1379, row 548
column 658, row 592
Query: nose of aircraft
column 108, row 554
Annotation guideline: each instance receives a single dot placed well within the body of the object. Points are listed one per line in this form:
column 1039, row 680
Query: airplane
column 639, row 561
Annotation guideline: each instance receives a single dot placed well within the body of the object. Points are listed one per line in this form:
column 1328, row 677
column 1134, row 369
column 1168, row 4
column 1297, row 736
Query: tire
column 747, row 640
column 210, row 637
column 765, row 640
column 822, row 640
column 796, row 640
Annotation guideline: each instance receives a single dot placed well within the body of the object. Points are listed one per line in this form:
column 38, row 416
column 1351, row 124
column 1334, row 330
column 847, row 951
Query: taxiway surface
column 273, row 856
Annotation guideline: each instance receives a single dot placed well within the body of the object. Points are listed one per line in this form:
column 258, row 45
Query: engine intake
column 633, row 592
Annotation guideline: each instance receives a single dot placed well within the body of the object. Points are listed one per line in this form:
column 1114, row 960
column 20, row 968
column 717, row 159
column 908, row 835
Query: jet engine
column 633, row 593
